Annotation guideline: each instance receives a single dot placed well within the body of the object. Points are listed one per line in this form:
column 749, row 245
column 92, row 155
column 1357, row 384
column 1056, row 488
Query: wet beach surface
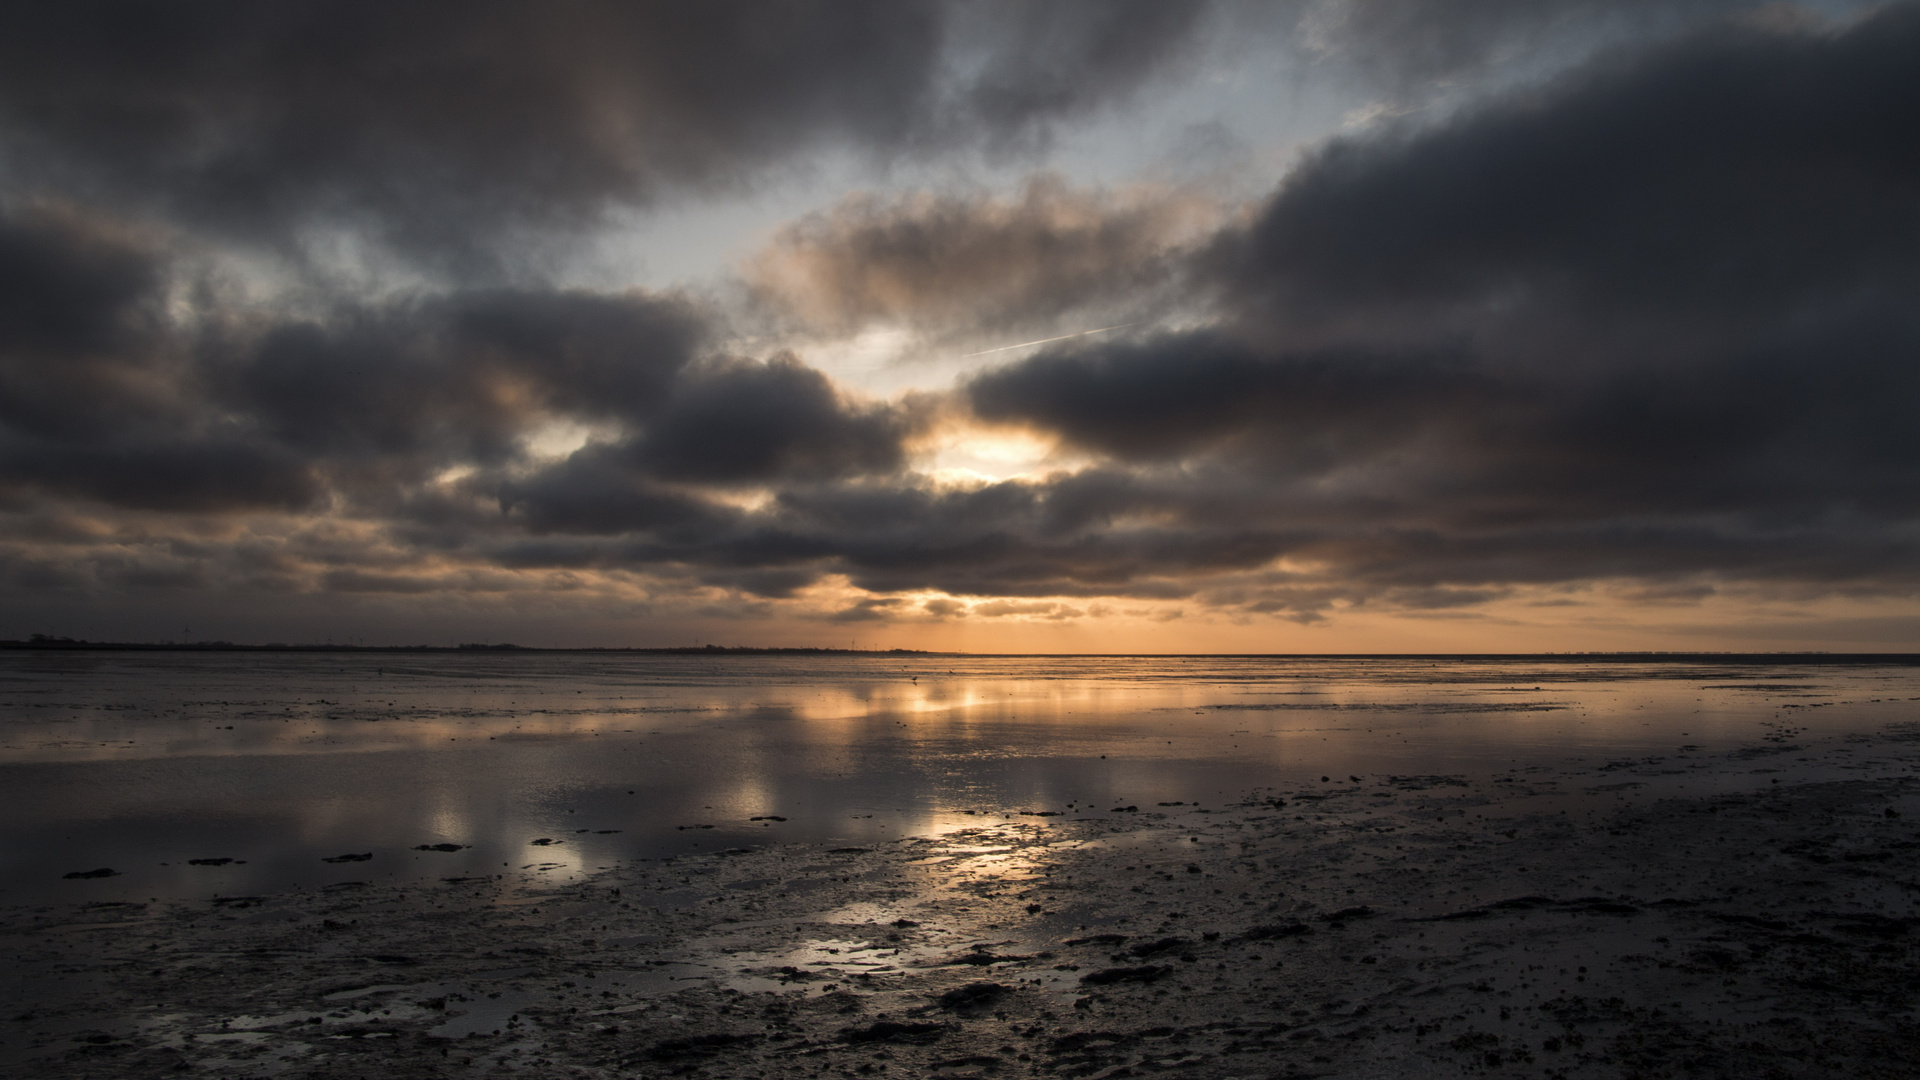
column 1740, row 904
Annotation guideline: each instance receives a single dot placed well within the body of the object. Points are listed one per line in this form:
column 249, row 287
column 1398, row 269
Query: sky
column 1079, row 326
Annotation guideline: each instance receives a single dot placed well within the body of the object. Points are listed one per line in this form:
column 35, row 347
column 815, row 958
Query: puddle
column 504, row 1014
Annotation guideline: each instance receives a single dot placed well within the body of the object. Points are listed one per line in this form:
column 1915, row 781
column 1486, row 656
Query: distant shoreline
column 44, row 644
column 40, row 643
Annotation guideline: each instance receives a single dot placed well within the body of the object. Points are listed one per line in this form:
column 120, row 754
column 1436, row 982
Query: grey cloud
column 770, row 584
column 70, row 286
column 273, row 413
column 80, row 331
column 723, row 422
column 1011, row 539
column 133, row 575
column 597, row 491
column 1406, row 47
column 433, row 126
column 740, row 421
column 462, row 375
column 96, row 399
column 29, row 574
column 211, row 475
column 870, row 609
column 1724, row 176
column 978, row 263
column 369, row 582
column 1060, row 59
column 1418, row 40
column 372, row 399
column 1169, row 395
column 106, row 394
column 1782, row 467
column 1654, row 319
column 1806, row 424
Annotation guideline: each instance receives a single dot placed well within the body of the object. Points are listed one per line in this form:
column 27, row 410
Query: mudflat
column 1578, row 922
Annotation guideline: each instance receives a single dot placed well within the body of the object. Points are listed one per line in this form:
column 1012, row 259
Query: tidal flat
column 1742, row 904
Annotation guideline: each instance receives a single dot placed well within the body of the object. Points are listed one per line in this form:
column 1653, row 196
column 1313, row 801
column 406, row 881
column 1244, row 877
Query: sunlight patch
column 561, row 437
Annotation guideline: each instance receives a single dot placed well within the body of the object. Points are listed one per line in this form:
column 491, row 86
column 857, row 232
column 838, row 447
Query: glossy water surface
column 556, row 763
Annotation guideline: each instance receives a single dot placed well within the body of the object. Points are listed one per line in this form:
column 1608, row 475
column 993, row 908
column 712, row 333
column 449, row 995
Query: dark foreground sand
column 1534, row 925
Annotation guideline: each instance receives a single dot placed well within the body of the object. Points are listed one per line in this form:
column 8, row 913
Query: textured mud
column 1559, row 925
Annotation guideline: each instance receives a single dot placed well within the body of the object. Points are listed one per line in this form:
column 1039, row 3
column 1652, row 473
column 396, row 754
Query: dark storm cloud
column 1092, row 534
column 1170, row 395
column 1655, row 319
column 94, row 401
column 726, row 422
column 1715, row 179
column 195, row 475
column 432, row 125
column 599, row 491
column 70, row 287
column 1062, row 537
column 461, row 376
column 105, row 401
column 1214, row 533
column 1810, row 422
column 101, row 398
column 740, row 421
column 371, row 400
column 79, row 322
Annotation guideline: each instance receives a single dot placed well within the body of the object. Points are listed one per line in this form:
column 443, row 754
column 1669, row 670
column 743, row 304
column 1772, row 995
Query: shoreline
column 1393, row 926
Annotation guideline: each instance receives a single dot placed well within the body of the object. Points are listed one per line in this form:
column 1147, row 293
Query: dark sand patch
column 1443, row 930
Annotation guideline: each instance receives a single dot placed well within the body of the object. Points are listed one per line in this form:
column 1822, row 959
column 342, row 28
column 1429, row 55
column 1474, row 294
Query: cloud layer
column 1645, row 323
column 1653, row 319
column 440, row 130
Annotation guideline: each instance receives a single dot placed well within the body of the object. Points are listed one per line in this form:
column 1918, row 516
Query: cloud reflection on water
column 134, row 761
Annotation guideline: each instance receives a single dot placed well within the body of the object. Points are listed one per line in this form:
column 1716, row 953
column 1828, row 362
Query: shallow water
column 141, row 762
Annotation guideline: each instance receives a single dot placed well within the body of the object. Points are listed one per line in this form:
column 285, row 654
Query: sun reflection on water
column 282, row 760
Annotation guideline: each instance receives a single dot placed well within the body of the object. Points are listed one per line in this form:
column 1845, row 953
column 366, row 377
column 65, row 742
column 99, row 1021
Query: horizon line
column 47, row 643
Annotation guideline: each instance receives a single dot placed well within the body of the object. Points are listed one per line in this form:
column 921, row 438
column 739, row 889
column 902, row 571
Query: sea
column 193, row 774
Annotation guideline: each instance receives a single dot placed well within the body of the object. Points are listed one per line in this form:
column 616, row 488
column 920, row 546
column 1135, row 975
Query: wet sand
column 1582, row 922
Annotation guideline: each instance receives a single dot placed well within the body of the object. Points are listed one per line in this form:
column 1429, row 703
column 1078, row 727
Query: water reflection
column 143, row 762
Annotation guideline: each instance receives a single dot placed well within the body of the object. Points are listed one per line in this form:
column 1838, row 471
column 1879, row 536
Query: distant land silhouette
column 48, row 642
column 52, row 643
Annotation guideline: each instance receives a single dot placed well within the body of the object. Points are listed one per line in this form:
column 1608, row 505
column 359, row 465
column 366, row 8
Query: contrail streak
column 1043, row 341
